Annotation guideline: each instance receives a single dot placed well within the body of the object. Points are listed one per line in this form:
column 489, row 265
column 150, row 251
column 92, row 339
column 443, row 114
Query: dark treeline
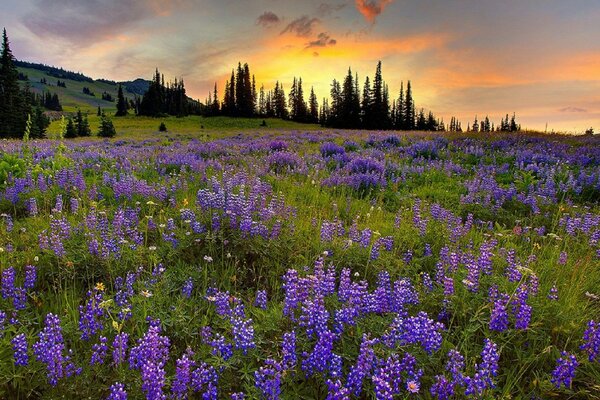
column 17, row 105
column 166, row 99
column 49, row 101
column 55, row 72
column 348, row 108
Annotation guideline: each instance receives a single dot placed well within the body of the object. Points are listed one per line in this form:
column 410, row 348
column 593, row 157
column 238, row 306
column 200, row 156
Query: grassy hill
column 72, row 97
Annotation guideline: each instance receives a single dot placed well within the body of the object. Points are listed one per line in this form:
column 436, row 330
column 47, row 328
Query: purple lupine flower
column 30, row 277
column 205, row 381
column 32, row 208
column 564, row 372
column 261, row 299
column 19, row 345
column 427, row 282
column 455, row 365
column 553, row 293
column 268, row 380
column 238, row 396
column 319, row 359
column 2, row 322
column 418, row 329
column 183, row 375
column 442, row 389
column 49, row 349
column 187, row 288
column 153, row 380
column 499, row 315
column 314, row 315
column 288, row 348
column 243, row 333
column 120, row 347
column 99, row 351
column 20, row 298
column 336, row 390
column 90, row 316
column 521, row 309
column 448, row 286
column 484, row 372
column 220, row 347
column 591, row 341
column 8, row 283
column 149, row 357
column 117, row 392
column 562, row 258
column 364, row 365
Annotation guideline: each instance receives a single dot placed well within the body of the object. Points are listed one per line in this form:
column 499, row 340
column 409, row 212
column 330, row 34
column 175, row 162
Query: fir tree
column 14, row 109
column 121, row 103
column 314, row 107
column 409, row 109
column 107, row 129
column 71, row 130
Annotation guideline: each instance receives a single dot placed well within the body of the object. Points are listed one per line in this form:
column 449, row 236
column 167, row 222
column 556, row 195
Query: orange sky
column 539, row 58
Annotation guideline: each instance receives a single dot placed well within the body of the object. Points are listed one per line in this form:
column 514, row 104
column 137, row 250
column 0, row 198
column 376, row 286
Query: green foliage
column 11, row 166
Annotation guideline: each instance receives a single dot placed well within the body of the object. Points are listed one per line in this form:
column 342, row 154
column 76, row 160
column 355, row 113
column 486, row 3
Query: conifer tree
column 14, row 109
column 366, row 104
column 107, row 129
column 314, row 107
column 121, row 103
column 409, row 109
column 71, row 130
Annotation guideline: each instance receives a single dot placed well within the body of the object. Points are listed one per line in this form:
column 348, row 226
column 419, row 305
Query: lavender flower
column 288, row 348
column 90, row 315
column 205, row 381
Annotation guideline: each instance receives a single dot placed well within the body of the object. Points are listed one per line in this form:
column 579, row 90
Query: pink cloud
column 370, row 9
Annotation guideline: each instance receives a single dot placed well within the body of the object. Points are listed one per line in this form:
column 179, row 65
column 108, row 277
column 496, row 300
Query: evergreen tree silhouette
column 121, row 103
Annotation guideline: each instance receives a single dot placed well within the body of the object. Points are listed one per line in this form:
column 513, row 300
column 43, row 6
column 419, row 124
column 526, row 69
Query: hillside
column 72, row 96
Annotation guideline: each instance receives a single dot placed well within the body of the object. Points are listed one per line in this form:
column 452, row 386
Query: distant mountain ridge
column 137, row 87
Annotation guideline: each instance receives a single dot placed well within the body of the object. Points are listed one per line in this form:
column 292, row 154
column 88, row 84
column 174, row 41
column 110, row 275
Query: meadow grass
column 106, row 209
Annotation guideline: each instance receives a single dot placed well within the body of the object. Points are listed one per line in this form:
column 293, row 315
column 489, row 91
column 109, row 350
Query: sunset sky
column 539, row 58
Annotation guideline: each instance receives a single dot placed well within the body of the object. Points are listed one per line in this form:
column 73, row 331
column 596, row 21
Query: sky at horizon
column 538, row 58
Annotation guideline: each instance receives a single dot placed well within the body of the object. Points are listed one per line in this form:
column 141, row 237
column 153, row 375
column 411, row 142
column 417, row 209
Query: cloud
column 268, row 19
column 323, row 40
column 85, row 22
column 326, row 9
column 370, row 9
column 302, row 26
column 572, row 110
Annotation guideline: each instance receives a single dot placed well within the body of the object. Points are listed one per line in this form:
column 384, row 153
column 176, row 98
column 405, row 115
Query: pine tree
column 366, row 105
column 71, row 130
column 214, row 108
column 475, row 127
column 314, row 107
column 262, row 102
column 400, row 109
column 121, row 103
column 409, row 109
column 107, row 129
column 14, row 109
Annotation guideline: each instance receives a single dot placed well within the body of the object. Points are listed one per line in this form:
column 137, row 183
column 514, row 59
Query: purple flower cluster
column 564, row 372
column 591, row 341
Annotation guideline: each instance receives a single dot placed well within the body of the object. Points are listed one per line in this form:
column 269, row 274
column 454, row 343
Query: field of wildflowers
column 301, row 265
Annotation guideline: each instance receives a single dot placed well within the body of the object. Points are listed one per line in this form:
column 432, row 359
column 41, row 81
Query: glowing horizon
column 540, row 59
